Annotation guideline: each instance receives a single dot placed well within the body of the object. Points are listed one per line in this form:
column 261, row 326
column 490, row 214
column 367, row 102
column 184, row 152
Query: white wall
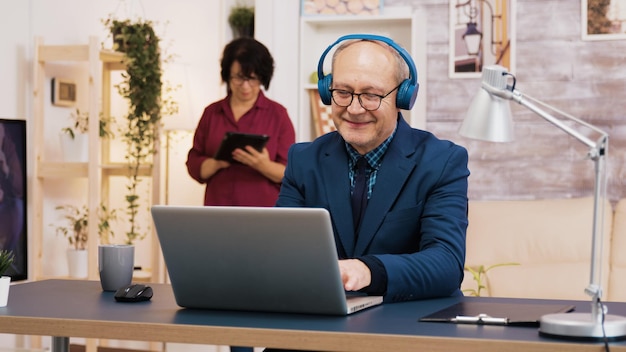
column 192, row 29
column 14, row 39
column 277, row 25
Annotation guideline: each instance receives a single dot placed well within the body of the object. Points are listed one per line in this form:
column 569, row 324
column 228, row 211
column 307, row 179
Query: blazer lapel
column 335, row 162
column 390, row 180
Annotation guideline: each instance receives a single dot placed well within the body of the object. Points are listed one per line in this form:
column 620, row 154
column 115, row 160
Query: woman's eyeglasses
column 238, row 80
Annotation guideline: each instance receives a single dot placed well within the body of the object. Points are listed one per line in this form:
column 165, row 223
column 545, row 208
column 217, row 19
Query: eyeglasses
column 238, row 80
column 368, row 101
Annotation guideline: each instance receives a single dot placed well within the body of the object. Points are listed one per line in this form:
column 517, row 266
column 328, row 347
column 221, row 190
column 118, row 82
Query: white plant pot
column 5, row 284
column 75, row 150
column 77, row 263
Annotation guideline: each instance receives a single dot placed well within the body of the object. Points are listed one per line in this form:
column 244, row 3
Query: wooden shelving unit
column 99, row 168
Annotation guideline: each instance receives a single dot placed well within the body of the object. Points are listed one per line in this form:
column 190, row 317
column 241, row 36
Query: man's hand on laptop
column 354, row 274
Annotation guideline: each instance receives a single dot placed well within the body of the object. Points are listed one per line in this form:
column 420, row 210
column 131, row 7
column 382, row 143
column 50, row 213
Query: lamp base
column 582, row 326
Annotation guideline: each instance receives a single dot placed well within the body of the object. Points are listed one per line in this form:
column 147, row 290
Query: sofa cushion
column 617, row 277
column 549, row 239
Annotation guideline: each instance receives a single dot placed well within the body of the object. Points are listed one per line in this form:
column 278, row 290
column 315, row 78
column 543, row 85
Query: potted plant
column 74, row 138
column 6, row 259
column 478, row 274
column 75, row 229
column 241, row 20
column 141, row 87
column 81, row 125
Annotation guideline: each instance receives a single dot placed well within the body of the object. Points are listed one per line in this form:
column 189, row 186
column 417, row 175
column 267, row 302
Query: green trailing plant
column 81, row 125
column 75, row 228
column 149, row 99
column 141, row 87
column 6, row 259
column 478, row 274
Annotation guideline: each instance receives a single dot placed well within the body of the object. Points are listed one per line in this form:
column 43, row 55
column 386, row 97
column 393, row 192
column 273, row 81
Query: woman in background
column 254, row 178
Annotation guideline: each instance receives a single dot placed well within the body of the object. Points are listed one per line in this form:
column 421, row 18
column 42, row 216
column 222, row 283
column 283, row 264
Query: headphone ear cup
column 323, row 86
column 407, row 93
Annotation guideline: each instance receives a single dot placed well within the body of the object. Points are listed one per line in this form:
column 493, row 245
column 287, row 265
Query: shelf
column 61, row 169
column 111, row 56
column 121, row 169
column 112, row 60
column 47, row 53
column 50, row 53
column 356, row 20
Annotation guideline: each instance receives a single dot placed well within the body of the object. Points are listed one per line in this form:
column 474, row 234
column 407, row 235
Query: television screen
column 13, row 195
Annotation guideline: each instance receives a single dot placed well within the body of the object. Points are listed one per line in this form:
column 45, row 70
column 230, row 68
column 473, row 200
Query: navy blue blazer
column 416, row 217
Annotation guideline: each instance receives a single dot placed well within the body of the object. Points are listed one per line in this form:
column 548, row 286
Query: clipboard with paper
column 496, row 313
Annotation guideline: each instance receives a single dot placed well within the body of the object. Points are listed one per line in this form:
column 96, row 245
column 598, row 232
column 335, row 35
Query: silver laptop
column 254, row 259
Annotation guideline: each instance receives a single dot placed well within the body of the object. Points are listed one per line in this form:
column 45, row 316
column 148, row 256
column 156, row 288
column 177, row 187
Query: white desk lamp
column 489, row 118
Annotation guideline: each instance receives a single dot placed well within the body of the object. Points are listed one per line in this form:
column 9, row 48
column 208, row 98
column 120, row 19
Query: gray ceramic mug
column 115, row 263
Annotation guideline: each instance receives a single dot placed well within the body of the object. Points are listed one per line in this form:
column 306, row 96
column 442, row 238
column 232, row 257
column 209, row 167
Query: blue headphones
column 407, row 92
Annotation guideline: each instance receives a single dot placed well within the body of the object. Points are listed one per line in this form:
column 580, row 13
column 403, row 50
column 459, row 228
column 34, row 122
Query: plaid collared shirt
column 373, row 158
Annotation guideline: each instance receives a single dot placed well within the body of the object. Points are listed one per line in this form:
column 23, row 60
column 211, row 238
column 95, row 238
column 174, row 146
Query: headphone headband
column 407, row 92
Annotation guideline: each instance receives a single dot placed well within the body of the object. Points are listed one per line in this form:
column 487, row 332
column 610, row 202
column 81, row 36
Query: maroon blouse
column 240, row 185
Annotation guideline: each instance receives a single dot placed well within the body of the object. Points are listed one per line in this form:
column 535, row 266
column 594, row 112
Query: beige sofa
column 550, row 242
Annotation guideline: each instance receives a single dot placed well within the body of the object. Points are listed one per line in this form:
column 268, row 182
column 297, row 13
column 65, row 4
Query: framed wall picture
column 482, row 33
column 63, row 92
column 603, row 20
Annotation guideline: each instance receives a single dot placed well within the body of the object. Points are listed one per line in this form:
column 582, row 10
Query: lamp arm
column 596, row 154
column 524, row 100
column 595, row 285
column 527, row 101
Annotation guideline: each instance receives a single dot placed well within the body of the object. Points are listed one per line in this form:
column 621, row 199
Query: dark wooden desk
column 77, row 308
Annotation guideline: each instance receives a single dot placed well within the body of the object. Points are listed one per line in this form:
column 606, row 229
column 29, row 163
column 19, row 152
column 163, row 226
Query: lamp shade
column 488, row 118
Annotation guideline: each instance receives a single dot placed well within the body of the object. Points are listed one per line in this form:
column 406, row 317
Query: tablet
column 234, row 140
